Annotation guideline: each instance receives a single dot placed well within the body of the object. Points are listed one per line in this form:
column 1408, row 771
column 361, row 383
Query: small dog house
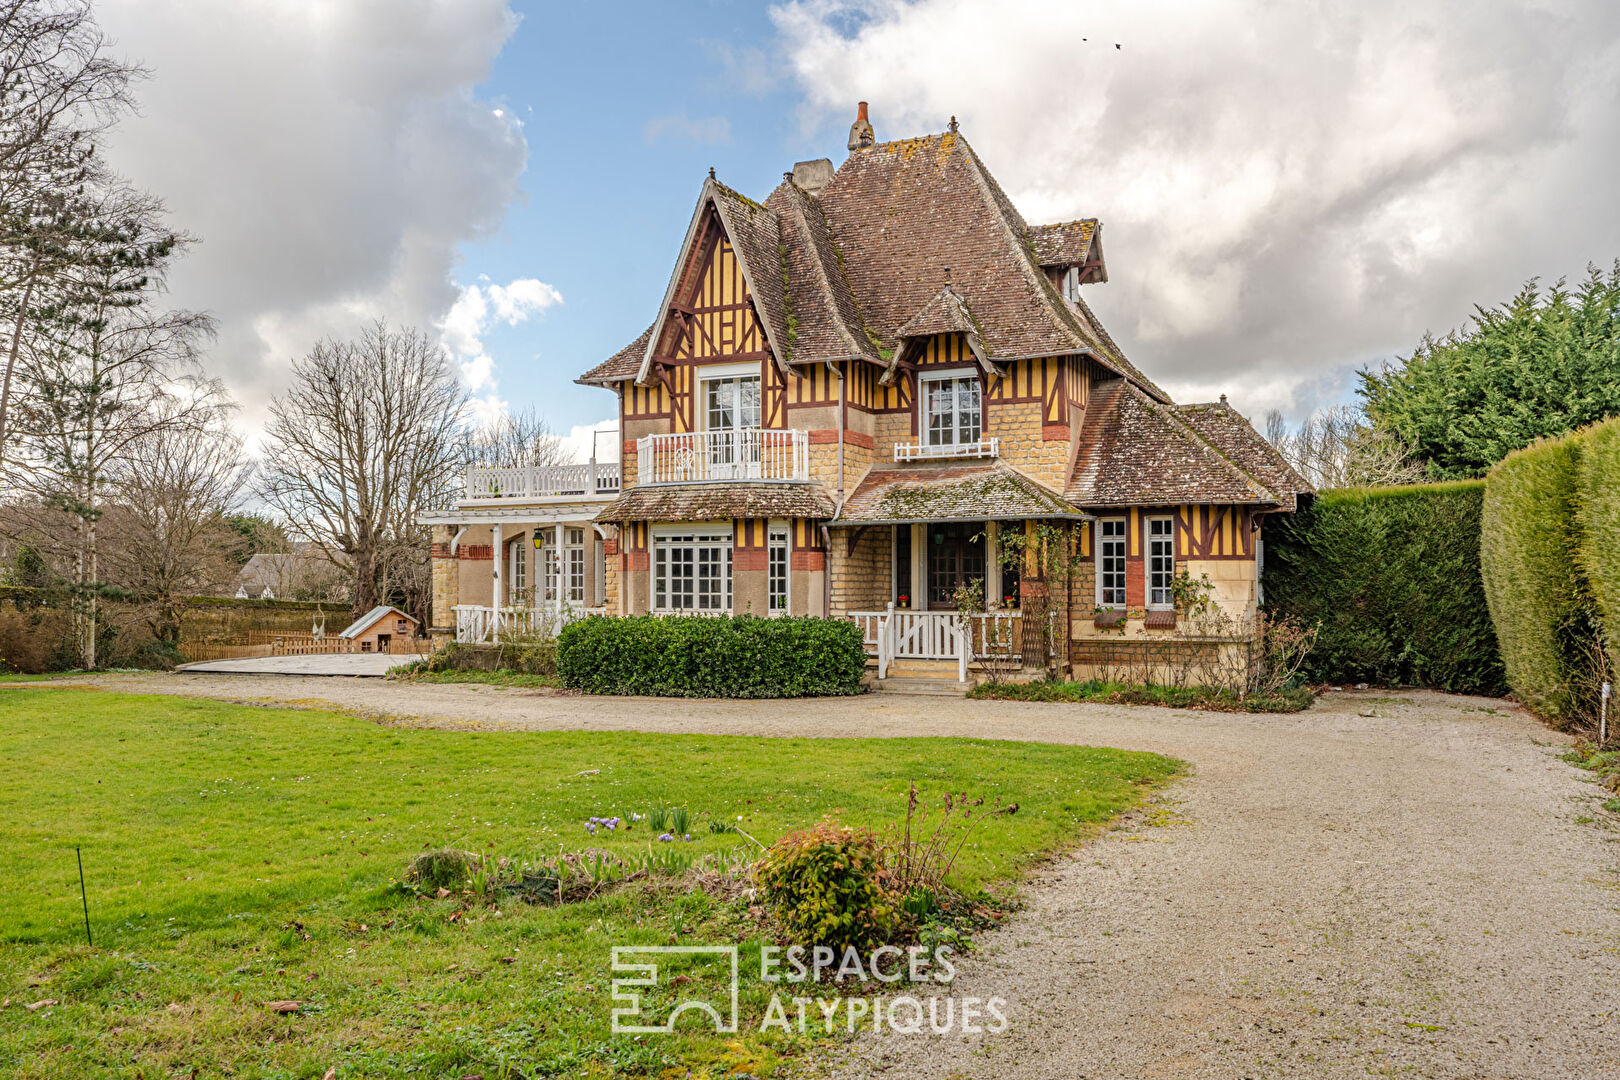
column 378, row 629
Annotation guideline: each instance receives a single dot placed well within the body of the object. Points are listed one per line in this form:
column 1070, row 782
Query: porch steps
column 912, row 684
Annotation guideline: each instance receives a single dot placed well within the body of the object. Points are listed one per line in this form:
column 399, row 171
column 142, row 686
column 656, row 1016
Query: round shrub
column 829, row 885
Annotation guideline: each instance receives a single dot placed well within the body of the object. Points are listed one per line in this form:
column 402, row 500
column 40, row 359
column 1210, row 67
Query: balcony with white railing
column 921, row 451
column 541, row 482
column 743, row 454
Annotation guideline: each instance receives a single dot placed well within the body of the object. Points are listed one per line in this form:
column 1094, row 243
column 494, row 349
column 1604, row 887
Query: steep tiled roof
column 1226, row 429
column 710, row 502
column 620, row 366
column 1065, row 244
column 841, row 272
column 950, row 491
column 826, row 320
column 1134, row 451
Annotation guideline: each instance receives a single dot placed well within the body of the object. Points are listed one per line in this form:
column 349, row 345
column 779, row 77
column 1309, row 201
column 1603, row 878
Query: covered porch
column 501, row 572
column 924, row 563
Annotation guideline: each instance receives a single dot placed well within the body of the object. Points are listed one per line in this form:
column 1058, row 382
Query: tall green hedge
column 723, row 657
column 1392, row 576
column 1599, row 518
column 1536, row 595
column 1552, row 568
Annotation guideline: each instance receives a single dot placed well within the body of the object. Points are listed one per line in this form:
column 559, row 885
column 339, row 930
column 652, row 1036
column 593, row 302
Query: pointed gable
column 727, row 230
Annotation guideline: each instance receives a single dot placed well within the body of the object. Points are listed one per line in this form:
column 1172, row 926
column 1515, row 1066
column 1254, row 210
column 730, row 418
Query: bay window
column 692, row 570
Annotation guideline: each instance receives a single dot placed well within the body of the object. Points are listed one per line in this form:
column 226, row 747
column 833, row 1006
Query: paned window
column 1111, row 562
column 777, row 578
column 692, row 571
column 1161, row 562
column 952, row 410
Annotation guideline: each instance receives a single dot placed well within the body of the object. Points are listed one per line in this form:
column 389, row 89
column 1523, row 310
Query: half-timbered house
column 849, row 391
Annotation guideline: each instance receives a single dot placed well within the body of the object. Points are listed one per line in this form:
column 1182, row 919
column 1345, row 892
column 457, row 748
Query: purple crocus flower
column 666, row 838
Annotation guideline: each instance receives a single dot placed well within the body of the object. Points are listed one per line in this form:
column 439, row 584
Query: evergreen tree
column 1543, row 364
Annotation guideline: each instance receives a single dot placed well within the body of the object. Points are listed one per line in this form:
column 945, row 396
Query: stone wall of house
column 446, row 583
column 1018, row 427
column 860, row 578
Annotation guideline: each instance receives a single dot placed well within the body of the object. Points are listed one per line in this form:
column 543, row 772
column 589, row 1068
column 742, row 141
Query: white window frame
column 573, row 564
column 1168, row 539
column 1104, row 544
column 671, row 541
column 519, row 567
column 778, row 543
column 925, row 430
column 720, row 373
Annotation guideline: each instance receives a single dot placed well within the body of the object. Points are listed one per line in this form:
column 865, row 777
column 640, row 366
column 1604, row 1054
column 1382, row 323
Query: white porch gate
column 935, row 635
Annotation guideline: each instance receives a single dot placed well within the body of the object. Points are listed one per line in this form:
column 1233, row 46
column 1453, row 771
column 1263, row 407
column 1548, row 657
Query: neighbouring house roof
column 1135, row 451
column 951, row 491
column 853, row 269
column 710, row 502
column 278, row 570
column 366, row 621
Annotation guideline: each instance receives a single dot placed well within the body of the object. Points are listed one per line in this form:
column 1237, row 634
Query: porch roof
column 542, row 514
column 709, row 502
column 951, row 491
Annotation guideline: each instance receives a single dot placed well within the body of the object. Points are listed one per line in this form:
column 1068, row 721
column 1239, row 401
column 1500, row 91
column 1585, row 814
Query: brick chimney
column 860, row 132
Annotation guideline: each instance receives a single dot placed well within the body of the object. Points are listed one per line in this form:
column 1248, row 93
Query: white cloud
column 1287, row 191
column 332, row 158
column 471, row 316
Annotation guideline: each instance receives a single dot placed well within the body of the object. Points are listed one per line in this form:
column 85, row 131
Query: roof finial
column 1223, row 399
column 947, row 279
column 711, row 172
column 953, row 125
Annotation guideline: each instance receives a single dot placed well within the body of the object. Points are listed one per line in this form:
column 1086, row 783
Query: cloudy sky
column 1289, row 191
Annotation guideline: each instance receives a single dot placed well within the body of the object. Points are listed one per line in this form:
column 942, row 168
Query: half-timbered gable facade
column 852, row 388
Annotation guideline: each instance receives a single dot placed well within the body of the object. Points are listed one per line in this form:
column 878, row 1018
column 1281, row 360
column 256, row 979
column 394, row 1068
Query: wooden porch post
column 919, row 566
column 495, row 566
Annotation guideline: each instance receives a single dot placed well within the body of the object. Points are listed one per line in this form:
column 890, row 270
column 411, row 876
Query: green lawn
column 237, row 855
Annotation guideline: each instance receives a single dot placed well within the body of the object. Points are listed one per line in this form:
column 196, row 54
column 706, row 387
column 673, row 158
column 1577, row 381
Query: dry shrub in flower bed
column 845, row 888
column 1213, row 699
column 831, row 885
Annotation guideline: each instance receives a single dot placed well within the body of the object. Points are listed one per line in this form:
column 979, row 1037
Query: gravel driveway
column 1387, row 885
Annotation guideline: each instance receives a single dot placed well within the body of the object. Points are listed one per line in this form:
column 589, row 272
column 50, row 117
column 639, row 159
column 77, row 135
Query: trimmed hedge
column 1392, row 576
column 740, row 656
column 1599, row 518
column 1552, row 567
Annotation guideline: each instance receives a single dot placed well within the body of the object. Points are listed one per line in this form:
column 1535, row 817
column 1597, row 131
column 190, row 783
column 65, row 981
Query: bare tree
column 515, row 440
column 370, row 433
column 105, row 368
column 1336, row 447
column 58, row 90
column 174, row 488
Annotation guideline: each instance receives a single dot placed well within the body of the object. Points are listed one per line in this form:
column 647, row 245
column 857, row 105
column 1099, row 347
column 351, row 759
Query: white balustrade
column 741, row 454
column 476, row 625
column 984, row 448
column 542, row 481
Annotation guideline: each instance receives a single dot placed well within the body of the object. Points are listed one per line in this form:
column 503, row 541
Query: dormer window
column 952, row 410
column 1071, row 284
